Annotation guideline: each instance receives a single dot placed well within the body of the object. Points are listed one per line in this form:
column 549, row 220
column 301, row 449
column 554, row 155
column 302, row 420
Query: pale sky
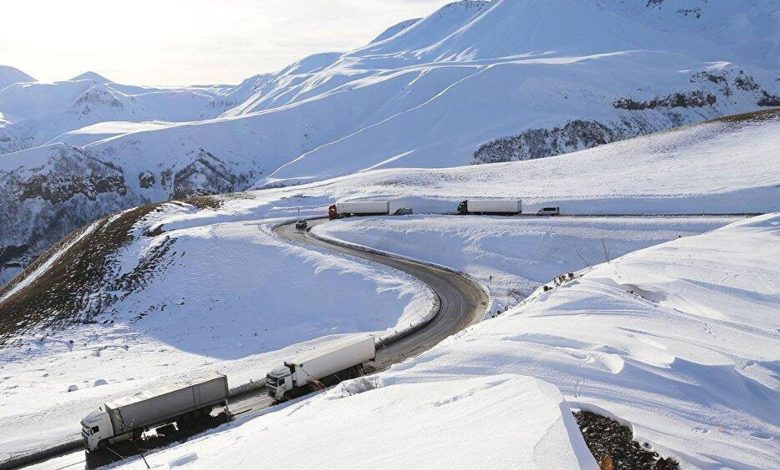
column 180, row 42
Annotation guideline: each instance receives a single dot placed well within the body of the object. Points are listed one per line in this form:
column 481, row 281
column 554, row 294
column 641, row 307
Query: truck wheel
column 102, row 444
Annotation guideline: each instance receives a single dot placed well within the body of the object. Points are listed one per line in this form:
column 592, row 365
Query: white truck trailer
column 129, row 417
column 491, row 207
column 349, row 208
column 301, row 372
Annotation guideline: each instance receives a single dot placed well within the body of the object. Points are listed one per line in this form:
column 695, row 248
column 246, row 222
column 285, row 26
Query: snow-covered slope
column 682, row 340
column 498, row 422
column 152, row 295
column 679, row 341
column 492, row 248
column 473, row 82
column 193, row 290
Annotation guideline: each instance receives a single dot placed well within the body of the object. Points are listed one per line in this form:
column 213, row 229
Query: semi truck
column 350, row 208
column 127, row 418
column 301, row 373
column 491, row 207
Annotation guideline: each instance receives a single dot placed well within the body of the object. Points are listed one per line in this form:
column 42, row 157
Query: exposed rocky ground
column 613, row 446
column 581, row 134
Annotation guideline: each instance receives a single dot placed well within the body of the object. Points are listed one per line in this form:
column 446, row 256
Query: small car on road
column 549, row 211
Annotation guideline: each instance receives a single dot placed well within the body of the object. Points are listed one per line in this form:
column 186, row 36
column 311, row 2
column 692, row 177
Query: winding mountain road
column 461, row 302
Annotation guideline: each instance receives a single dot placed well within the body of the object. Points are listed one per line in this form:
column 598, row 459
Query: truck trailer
column 130, row 416
column 491, row 207
column 300, row 373
column 350, row 208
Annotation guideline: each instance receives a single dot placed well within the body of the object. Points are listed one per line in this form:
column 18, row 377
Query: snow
column 512, row 256
column 709, row 168
column 423, row 88
column 104, row 130
column 502, row 421
column 221, row 302
column 38, row 112
column 93, row 76
column 225, row 262
column 681, row 340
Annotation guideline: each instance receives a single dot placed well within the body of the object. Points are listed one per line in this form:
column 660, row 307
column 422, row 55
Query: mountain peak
column 91, row 76
column 10, row 75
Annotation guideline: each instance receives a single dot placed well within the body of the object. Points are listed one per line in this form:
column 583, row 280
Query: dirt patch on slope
column 81, row 282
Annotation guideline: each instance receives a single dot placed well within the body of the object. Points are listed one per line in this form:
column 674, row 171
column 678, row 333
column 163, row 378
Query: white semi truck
column 129, row 417
column 311, row 367
column 349, row 208
column 491, row 207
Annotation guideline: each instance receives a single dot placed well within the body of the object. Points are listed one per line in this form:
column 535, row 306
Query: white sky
column 179, row 42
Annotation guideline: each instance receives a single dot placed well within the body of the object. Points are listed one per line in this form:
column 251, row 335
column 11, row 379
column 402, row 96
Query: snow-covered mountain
column 474, row 82
column 37, row 113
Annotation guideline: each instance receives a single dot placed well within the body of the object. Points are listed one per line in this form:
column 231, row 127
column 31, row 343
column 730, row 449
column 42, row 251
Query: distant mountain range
column 474, row 82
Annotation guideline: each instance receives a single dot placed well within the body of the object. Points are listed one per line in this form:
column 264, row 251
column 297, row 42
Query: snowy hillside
column 681, row 340
column 127, row 311
column 473, row 82
column 678, row 341
column 192, row 290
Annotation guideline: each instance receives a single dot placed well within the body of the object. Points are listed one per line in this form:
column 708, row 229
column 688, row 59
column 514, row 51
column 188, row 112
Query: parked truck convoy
column 129, row 417
column 301, row 372
column 491, row 207
column 349, row 208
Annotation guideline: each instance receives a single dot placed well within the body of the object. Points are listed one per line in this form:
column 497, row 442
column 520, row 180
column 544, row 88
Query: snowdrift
column 681, row 340
column 495, row 422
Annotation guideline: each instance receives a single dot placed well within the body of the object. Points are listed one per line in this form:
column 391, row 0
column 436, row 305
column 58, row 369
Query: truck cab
column 96, row 428
column 279, row 381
